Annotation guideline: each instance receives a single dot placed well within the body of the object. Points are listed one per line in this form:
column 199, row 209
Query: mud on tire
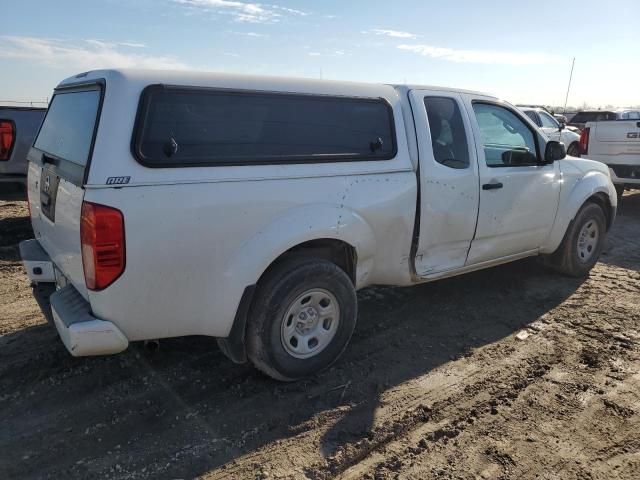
column 293, row 301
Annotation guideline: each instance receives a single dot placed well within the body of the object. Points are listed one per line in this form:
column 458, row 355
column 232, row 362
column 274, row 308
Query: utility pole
column 573, row 64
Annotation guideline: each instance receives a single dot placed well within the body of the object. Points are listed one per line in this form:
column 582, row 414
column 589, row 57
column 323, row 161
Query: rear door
column 58, row 162
column 449, row 191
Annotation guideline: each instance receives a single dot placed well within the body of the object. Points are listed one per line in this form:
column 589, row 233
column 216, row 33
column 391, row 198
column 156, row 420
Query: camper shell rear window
column 67, row 135
column 193, row 126
column 68, row 127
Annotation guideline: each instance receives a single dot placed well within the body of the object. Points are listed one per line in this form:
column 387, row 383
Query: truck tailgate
column 615, row 138
column 57, row 163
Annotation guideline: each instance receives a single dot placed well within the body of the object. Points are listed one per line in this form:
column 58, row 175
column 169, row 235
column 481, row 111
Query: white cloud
column 392, row 33
column 82, row 55
column 252, row 34
column 244, row 12
column 326, row 53
column 103, row 44
column 293, row 11
column 480, row 56
column 133, row 44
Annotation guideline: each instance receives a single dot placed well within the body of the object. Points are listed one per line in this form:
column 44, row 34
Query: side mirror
column 554, row 151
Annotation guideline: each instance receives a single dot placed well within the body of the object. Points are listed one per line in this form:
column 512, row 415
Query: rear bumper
column 81, row 332
column 625, row 174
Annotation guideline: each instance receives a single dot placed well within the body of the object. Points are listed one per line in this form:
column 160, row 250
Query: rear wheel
column 301, row 319
column 582, row 244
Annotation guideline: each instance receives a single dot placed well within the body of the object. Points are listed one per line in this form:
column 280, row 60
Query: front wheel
column 573, row 150
column 583, row 242
column 301, row 319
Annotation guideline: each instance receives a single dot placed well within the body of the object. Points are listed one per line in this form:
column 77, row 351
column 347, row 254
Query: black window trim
column 68, row 170
column 540, row 162
column 143, row 109
column 536, row 117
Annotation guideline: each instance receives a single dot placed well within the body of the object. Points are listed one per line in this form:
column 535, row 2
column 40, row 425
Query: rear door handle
column 492, row 186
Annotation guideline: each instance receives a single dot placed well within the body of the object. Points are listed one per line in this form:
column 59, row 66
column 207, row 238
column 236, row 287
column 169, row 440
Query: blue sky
column 520, row 51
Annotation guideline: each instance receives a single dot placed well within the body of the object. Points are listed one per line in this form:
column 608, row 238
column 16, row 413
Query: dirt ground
column 510, row 373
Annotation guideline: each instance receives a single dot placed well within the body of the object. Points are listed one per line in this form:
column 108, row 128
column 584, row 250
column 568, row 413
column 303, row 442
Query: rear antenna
column 573, row 64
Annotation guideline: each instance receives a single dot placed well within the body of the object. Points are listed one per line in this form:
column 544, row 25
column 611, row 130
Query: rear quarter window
column 68, row 127
column 182, row 127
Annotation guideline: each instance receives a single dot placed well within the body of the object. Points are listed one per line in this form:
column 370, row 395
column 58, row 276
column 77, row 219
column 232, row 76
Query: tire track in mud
column 426, row 410
column 394, row 457
column 442, row 425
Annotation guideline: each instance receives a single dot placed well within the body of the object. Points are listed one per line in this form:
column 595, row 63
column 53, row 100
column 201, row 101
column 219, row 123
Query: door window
column 448, row 136
column 507, row 140
column 547, row 121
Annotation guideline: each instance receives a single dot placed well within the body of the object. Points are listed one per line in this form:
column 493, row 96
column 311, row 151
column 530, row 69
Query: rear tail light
column 103, row 248
column 584, row 141
column 7, row 138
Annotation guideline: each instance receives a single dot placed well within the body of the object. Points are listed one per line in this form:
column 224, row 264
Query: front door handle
column 492, row 186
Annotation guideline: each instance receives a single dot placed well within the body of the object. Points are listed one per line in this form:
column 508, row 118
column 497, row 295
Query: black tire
column 569, row 258
column 573, row 150
column 619, row 191
column 276, row 294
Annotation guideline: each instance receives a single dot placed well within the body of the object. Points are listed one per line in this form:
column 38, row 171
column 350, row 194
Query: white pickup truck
column 617, row 144
column 251, row 209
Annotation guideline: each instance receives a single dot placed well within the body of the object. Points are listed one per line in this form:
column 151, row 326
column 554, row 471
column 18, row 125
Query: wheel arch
column 594, row 187
column 336, row 234
column 602, row 200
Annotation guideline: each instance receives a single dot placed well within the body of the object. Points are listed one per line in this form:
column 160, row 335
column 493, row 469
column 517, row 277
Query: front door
column 519, row 193
column 449, row 190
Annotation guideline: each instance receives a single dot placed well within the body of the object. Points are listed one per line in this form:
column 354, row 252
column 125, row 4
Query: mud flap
column 233, row 346
column 42, row 292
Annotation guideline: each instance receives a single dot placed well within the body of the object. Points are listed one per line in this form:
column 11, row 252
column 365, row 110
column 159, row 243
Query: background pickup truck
column 617, row 144
column 251, row 209
column 18, row 128
column 580, row 119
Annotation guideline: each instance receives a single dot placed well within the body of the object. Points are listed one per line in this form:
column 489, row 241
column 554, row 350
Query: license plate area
column 48, row 192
